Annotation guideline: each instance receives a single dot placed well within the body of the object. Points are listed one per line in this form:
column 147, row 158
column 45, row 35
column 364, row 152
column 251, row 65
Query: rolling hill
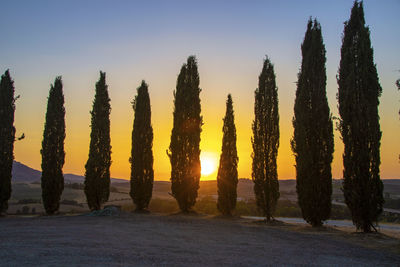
column 24, row 174
column 21, row 173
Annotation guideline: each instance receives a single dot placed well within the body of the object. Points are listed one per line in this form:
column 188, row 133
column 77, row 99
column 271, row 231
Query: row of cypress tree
column 97, row 174
column 312, row 141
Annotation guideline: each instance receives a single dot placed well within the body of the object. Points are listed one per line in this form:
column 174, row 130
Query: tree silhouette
column 358, row 96
column 184, row 150
column 265, row 141
column 97, row 175
column 53, row 149
column 398, row 87
column 312, row 142
column 227, row 178
column 7, row 137
column 142, row 174
column 398, row 84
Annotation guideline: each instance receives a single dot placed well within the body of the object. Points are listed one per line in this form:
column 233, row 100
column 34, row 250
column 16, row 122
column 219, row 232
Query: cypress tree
column 7, row 137
column 227, row 178
column 142, row 174
column 184, row 150
column 398, row 87
column 312, row 142
column 358, row 97
column 265, row 141
column 53, row 149
column 97, row 175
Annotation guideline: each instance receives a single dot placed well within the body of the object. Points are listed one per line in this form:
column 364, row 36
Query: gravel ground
column 334, row 223
column 176, row 240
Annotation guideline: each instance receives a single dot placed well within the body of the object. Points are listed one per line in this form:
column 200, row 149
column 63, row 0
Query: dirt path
column 389, row 228
column 138, row 240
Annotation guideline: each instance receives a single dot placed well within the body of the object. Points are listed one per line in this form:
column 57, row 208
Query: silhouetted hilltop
column 24, row 174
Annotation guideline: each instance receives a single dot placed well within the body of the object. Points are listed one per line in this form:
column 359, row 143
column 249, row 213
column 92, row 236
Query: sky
column 150, row 40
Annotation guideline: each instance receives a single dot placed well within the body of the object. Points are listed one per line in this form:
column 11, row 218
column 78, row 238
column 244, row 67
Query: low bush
column 25, row 210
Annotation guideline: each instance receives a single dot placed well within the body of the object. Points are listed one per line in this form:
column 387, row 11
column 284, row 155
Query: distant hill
column 24, row 174
column 73, row 178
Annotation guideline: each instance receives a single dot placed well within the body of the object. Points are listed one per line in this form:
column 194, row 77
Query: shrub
column 25, row 210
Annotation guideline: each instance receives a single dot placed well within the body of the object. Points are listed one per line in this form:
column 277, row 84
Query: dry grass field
column 184, row 240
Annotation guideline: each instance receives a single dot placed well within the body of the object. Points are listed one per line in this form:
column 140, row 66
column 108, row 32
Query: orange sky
column 213, row 110
column 229, row 41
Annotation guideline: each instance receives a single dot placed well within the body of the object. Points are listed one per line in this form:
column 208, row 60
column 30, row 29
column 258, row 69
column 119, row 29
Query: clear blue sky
column 134, row 40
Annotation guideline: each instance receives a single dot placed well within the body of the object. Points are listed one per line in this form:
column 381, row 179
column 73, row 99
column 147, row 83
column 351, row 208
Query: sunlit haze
column 150, row 40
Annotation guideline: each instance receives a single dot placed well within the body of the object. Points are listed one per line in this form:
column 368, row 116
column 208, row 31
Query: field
column 26, row 198
column 178, row 240
column 74, row 199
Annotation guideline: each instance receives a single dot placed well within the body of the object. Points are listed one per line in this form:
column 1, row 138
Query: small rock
column 109, row 210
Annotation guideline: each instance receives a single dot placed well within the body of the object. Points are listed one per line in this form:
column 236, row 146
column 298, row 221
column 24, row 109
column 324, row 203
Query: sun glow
column 208, row 163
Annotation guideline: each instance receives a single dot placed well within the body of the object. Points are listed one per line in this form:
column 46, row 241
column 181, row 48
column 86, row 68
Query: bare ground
column 178, row 240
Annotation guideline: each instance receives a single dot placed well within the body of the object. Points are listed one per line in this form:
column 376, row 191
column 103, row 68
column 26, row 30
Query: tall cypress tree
column 142, row 174
column 53, row 149
column 97, row 175
column 312, row 142
column 398, row 87
column 7, row 137
column 227, row 178
column 184, row 149
column 358, row 96
column 265, row 141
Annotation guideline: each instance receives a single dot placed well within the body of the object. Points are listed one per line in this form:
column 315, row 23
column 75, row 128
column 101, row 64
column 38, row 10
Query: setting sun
column 208, row 163
column 207, row 166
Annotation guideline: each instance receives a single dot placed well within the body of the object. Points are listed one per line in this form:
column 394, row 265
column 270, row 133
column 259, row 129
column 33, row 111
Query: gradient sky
column 135, row 40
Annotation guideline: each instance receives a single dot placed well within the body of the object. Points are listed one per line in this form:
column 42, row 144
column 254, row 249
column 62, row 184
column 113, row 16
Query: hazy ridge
column 22, row 173
column 25, row 174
